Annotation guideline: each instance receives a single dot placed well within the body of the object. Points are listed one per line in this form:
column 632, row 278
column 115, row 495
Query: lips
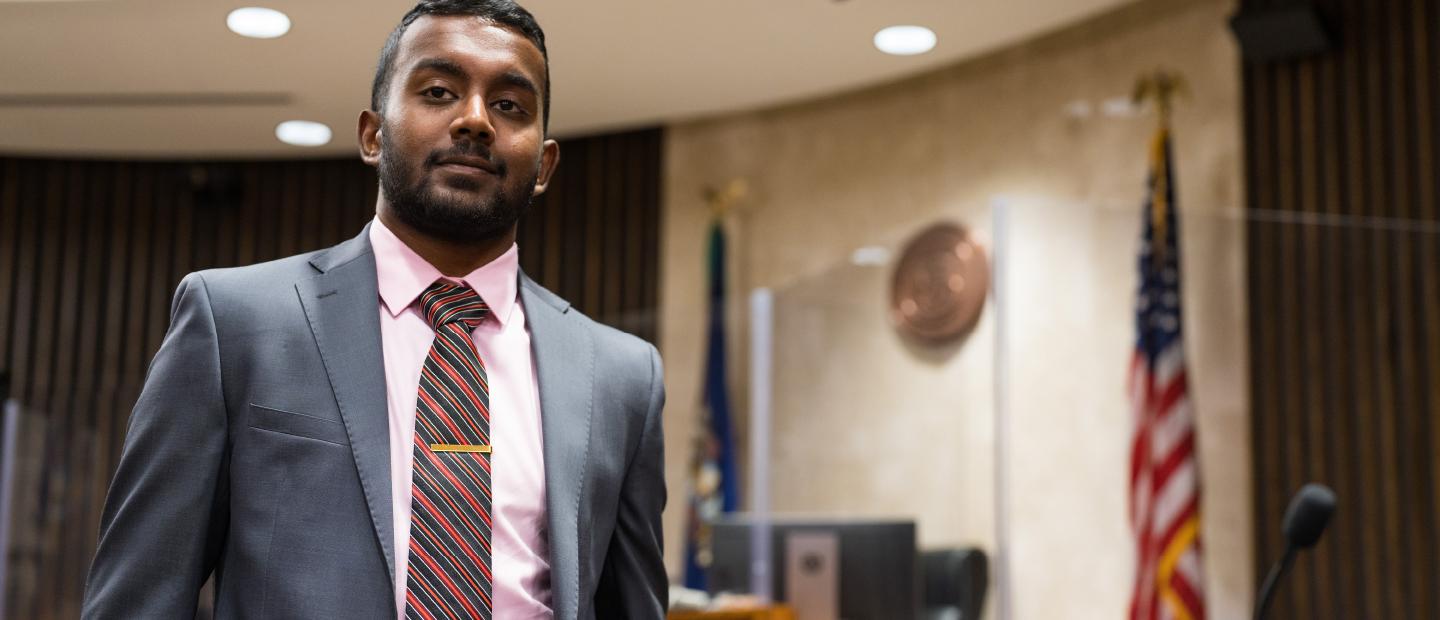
column 468, row 164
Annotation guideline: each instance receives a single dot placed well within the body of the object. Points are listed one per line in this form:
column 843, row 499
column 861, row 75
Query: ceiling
column 165, row 78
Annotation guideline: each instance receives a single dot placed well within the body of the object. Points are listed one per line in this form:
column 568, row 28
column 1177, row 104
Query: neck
column 453, row 259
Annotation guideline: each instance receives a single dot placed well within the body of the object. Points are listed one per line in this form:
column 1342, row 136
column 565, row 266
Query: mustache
column 467, row 149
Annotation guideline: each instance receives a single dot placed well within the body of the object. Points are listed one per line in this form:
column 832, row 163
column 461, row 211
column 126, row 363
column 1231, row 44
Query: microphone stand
column 1277, row 571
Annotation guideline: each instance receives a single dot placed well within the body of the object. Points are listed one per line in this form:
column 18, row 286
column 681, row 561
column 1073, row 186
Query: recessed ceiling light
column 257, row 22
column 905, row 40
column 303, row 133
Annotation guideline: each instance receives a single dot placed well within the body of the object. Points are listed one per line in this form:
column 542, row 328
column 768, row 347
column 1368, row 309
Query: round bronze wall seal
column 940, row 284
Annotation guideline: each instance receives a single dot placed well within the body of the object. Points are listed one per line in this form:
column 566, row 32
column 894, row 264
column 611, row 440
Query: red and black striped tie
column 449, row 568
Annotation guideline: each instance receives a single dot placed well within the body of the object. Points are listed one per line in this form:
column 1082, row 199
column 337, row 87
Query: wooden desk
column 777, row 612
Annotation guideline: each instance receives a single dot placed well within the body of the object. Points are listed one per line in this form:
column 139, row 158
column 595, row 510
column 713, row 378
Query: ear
column 549, row 158
column 368, row 134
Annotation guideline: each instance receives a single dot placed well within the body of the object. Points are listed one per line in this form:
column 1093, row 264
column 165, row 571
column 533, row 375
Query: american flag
column 1164, row 471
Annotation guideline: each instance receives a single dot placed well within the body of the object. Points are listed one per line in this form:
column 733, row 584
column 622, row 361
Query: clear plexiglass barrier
column 997, row 471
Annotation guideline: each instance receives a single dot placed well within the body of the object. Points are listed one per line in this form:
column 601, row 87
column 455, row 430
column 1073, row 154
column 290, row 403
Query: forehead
column 475, row 43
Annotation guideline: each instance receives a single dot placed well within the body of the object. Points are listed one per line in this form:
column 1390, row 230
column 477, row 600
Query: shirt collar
column 402, row 275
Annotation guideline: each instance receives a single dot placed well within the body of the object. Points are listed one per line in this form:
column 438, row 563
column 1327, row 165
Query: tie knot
column 445, row 303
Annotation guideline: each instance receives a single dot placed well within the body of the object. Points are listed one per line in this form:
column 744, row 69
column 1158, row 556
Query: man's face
column 461, row 149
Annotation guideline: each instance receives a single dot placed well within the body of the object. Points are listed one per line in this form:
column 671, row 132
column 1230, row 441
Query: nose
column 473, row 123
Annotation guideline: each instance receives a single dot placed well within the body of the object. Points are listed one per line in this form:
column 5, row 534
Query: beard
column 414, row 199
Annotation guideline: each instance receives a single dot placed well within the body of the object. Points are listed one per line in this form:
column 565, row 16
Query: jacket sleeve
column 634, row 584
column 166, row 512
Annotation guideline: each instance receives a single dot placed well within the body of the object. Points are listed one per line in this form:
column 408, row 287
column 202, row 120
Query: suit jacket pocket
column 298, row 424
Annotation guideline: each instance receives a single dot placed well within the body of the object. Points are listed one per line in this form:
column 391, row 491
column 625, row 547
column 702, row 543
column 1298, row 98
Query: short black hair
column 502, row 12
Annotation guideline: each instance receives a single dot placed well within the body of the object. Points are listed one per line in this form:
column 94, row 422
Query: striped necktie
column 449, row 568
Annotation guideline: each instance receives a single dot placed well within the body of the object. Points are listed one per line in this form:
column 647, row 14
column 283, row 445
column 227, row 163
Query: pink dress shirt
column 520, row 538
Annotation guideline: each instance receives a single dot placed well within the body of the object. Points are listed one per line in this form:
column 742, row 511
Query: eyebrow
column 440, row 65
column 518, row 80
column 453, row 69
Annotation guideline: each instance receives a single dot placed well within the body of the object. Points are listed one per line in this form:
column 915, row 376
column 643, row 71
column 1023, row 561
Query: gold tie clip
column 459, row 447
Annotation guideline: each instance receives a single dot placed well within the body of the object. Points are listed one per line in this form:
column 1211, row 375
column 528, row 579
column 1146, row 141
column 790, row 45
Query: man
column 402, row 425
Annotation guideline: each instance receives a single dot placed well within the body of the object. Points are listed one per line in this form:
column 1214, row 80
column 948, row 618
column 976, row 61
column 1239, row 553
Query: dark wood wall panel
column 91, row 252
column 1344, row 288
column 593, row 237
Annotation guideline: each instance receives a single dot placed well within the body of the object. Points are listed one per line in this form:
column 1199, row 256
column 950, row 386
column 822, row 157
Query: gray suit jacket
column 259, row 450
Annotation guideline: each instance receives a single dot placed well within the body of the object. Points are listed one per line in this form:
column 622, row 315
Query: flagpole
column 714, row 484
column 1167, row 540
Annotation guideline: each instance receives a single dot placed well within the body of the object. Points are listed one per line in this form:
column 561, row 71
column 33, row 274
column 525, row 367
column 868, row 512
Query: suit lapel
column 564, row 356
column 341, row 304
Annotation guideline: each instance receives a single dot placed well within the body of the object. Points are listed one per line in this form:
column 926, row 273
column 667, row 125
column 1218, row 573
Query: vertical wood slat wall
column 1345, row 314
column 594, row 236
column 91, row 252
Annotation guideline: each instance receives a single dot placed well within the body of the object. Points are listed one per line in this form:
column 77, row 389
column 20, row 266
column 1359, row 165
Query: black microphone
column 1305, row 521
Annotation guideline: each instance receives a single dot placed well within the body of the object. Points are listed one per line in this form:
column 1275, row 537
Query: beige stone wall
column 866, row 424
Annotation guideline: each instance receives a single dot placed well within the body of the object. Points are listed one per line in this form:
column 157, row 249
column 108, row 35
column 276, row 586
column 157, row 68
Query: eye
column 507, row 105
column 436, row 92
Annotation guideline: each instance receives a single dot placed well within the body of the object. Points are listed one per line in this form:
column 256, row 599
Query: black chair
column 955, row 583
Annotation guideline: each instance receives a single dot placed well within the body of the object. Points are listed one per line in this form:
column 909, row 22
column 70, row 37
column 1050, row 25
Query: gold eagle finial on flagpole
column 1160, row 86
column 722, row 199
